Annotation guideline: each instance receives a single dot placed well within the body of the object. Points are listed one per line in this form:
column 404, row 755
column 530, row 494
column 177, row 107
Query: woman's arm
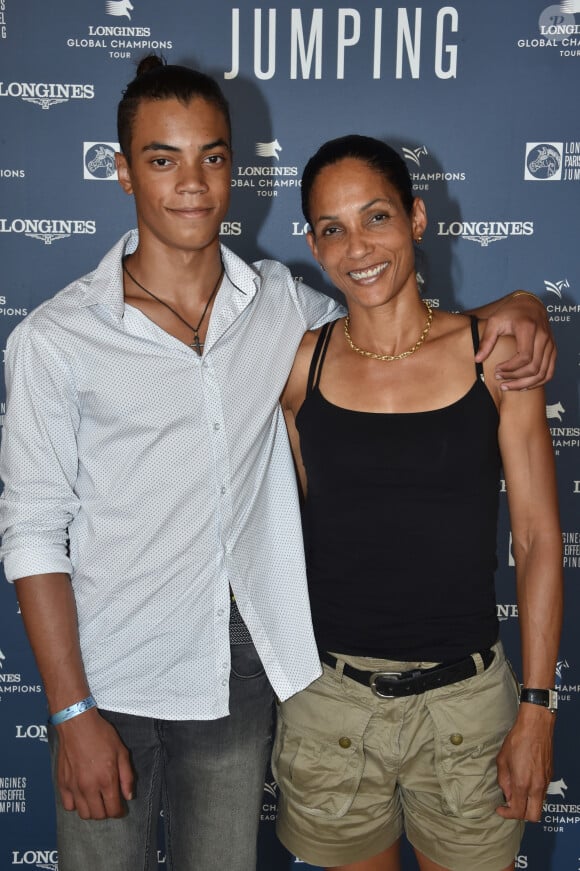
column 525, row 760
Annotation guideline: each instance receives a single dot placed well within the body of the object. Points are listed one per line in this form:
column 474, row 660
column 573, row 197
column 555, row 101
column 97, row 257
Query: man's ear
column 123, row 172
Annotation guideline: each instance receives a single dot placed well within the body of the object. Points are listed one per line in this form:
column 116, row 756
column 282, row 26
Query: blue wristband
column 72, row 711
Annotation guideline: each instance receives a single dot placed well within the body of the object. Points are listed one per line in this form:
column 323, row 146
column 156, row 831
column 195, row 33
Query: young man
column 147, row 475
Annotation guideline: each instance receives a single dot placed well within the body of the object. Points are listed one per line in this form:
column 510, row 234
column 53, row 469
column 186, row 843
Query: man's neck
column 176, row 274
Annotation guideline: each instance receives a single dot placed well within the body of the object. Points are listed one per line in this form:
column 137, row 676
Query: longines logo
column 320, row 41
column 485, row 232
column 32, row 732
column 47, row 230
column 268, row 179
column 99, row 160
column 44, row 94
column 552, row 161
column 421, row 177
column 46, row 859
column 558, row 816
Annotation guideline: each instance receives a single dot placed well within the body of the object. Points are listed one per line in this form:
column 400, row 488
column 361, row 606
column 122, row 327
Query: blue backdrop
column 481, row 99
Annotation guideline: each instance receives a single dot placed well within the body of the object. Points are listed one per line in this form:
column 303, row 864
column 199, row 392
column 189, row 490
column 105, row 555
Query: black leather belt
column 394, row 684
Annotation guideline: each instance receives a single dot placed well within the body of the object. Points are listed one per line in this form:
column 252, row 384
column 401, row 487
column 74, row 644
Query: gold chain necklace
column 196, row 345
column 388, row 358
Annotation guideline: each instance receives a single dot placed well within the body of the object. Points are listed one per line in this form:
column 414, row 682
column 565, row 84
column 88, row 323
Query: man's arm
column 94, row 773
column 525, row 760
column 38, row 464
column 522, row 315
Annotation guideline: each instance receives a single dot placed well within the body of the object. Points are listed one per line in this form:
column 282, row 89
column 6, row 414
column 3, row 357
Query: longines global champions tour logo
column 268, row 179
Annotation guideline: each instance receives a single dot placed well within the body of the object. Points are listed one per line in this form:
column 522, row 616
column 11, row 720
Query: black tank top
column 400, row 523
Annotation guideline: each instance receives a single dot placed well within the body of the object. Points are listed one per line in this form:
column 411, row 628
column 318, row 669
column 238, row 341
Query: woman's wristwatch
column 546, row 698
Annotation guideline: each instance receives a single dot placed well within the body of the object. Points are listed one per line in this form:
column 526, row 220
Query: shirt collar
column 104, row 286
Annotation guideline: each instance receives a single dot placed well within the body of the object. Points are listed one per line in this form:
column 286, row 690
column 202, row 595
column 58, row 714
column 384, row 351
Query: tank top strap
column 318, row 357
column 475, row 338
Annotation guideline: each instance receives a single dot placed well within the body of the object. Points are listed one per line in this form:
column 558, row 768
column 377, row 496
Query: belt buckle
column 386, row 674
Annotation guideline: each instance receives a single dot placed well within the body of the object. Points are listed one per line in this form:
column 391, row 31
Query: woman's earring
column 322, row 267
column 418, row 239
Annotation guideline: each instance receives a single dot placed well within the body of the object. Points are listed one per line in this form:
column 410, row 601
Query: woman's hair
column 157, row 80
column 376, row 154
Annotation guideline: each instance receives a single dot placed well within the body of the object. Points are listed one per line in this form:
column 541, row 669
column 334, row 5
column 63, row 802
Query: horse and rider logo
column 99, row 161
column 543, row 161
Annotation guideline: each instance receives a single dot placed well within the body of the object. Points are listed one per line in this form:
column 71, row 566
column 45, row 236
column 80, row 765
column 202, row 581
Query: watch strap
column 545, row 698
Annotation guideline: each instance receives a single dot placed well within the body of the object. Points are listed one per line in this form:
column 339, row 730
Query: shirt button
column 223, row 489
column 224, row 682
column 225, row 665
column 456, row 739
column 344, row 743
column 216, row 426
column 221, row 612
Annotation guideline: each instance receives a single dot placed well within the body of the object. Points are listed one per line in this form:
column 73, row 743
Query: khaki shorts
column 355, row 771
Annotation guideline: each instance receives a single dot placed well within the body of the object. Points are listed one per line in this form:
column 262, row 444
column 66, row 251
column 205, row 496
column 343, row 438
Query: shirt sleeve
column 316, row 307
column 38, row 457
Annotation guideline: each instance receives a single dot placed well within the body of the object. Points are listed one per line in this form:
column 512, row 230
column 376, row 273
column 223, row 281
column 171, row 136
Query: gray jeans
column 206, row 777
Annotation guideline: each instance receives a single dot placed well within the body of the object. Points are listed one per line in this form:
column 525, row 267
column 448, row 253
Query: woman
column 398, row 437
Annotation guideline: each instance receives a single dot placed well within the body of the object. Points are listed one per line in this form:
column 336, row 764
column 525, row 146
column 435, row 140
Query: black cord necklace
column 197, row 345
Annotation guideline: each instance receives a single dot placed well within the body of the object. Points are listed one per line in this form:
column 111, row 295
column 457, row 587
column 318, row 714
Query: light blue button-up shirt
column 157, row 479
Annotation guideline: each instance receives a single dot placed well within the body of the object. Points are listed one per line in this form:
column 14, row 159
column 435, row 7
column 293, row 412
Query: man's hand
column 524, row 764
column 525, row 318
column 94, row 774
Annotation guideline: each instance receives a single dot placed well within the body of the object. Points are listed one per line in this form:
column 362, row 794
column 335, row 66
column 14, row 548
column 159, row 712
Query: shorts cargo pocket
column 318, row 757
column 469, row 729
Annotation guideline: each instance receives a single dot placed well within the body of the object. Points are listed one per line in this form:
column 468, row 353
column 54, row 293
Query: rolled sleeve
column 38, row 457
